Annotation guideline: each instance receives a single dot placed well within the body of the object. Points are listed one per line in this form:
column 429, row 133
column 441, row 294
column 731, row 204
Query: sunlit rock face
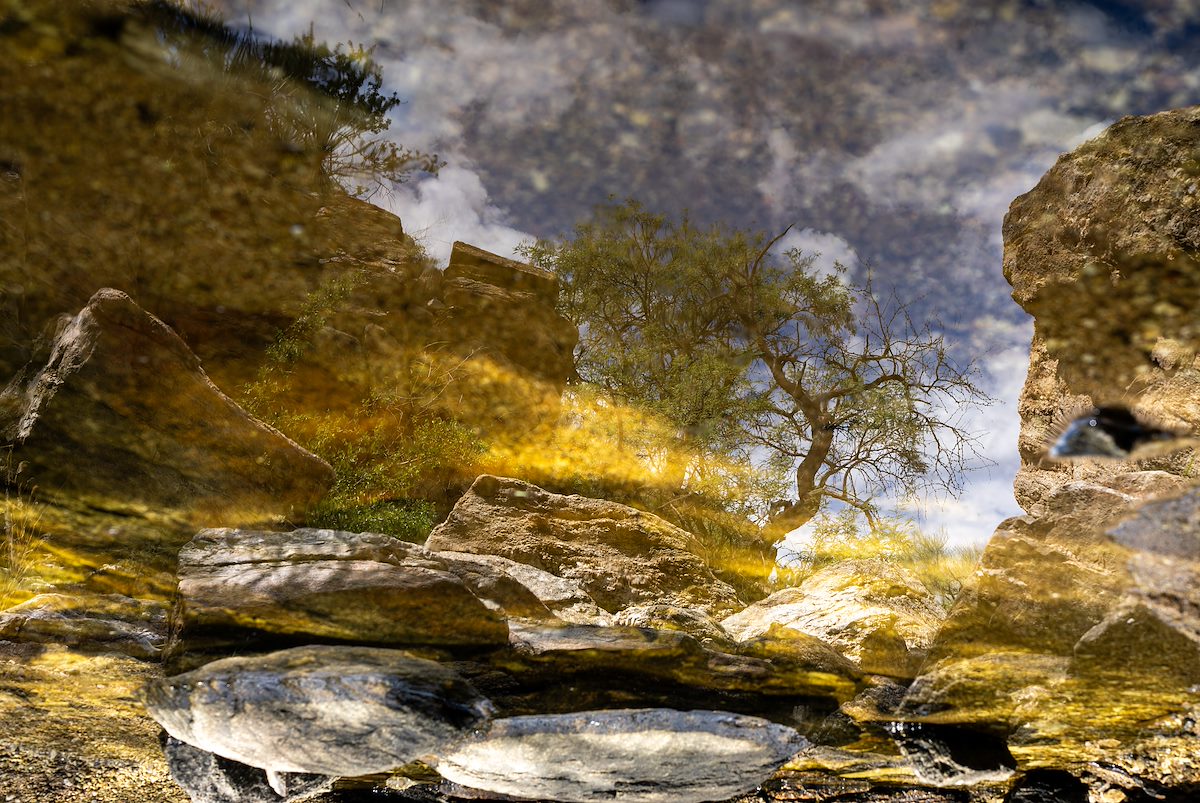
column 1105, row 254
column 640, row 756
column 323, row 710
column 563, row 598
column 619, row 555
column 122, row 415
column 872, row 611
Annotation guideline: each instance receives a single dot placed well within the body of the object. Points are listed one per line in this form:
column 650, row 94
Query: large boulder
column 1077, row 644
column 874, row 612
column 319, row 710
column 619, row 555
column 634, row 755
column 312, row 583
column 122, row 416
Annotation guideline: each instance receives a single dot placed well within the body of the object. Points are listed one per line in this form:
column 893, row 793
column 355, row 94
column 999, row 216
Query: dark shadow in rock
column 942, row 754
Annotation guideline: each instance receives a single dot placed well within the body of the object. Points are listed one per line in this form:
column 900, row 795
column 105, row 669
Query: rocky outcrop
column 1075, row 649
column 639, row 756
column 320, row 710
column 506, row 308
column 123, row 416
column 326, row 584
column 1104, row 253
column 872, row 611
column 619, row 555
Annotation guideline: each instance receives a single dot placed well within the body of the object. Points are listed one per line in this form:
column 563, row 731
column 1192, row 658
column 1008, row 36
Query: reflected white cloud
column 453, row 205
column 829, row 249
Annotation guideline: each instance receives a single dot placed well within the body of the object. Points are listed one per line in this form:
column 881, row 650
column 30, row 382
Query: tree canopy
column 765, row 360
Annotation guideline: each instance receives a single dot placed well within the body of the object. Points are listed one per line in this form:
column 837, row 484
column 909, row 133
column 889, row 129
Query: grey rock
column 94, row 622
column 329, row 584
column 620, row 556
column 123, row 416
column 320, row 709
column 209, row 778
column 639, row 756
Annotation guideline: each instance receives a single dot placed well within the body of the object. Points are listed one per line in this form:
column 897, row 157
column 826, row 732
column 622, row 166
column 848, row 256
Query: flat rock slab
column 671, row 656
column 319, row 709
column 94, row 622
column 122, row 415
column 363, row 587
column 633, row 755
column 619, row 555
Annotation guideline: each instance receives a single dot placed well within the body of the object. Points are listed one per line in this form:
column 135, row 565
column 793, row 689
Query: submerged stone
column 322, row 710
column 209, row 778
column 633, row 755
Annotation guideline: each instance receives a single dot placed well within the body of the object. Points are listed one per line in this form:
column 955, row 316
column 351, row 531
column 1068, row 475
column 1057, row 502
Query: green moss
column 407, row 519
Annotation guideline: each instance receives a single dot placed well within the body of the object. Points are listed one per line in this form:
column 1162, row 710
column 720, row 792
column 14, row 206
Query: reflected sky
column 891, row 134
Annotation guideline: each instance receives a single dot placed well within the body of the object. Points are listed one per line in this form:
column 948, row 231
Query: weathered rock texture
column 872, row 611
column 312, row 583
column 1105, row 254
column 322, row 710
column 592, row 656
column 619, row 555
column 91, row 622
column 553, row 595
column 123, row 416
column 640, row 756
